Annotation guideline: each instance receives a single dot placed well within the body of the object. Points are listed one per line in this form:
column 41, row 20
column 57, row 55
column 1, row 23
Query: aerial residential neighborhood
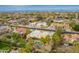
column 39, row 32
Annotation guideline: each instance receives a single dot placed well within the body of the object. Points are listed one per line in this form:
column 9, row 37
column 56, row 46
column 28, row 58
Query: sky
column 39, row 8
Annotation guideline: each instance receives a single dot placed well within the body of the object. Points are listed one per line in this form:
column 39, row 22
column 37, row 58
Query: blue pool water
column 39, row 8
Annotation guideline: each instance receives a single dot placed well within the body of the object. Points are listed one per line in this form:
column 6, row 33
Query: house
column 41, row 24
column 58, row 20
column 32, row 24
column 63, row 26
column 22, row 21
column 39, row 34
column 12, row 22
column 38, row 24
column 4, row 29
column 20, row 30
column 71, row 37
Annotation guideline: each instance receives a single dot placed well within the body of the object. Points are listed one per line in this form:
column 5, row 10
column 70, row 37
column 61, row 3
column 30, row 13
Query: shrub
column 46, row 39
column 4, row 47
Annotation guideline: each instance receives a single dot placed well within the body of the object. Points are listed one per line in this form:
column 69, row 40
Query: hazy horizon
column 39, row 8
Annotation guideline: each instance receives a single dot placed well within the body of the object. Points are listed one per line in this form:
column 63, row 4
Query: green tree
column 57, row 39
column 39, row 17
column 76, row 27
column 18, row 39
